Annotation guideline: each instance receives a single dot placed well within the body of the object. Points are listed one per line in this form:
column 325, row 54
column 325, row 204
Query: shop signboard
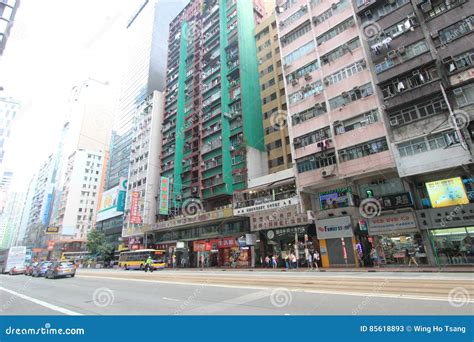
column 179, row 244
column 337, row 198
column 250, row 239
column 392, row 223
column 134, row 216
column 447, row 192
column 227, row 242
column 401, row 200
column 332, row 228
column 164, row 195
column 52, row 230
column 111, row 203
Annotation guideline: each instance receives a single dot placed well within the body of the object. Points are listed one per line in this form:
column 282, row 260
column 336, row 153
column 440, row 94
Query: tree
column 98, row 246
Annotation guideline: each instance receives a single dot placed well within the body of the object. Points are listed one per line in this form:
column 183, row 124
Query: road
column 168, row 292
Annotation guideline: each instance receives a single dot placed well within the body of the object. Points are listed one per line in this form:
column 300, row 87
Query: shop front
column 397, row 240
column 337, row 241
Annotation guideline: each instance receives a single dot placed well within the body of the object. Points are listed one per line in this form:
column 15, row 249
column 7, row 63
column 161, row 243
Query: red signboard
column 50, row 245
column 134, row 216
column 37, row 250
column 227, row 242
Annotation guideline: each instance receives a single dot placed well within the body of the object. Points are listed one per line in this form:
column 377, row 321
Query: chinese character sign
column 164, row 195
column 134, row 216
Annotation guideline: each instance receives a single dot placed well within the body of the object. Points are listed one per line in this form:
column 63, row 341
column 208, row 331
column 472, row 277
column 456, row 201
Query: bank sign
column 334, row 228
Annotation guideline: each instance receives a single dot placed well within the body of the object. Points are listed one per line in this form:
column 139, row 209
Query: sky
column 50, row 50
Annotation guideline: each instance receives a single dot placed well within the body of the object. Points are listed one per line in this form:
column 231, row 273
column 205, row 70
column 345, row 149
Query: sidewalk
column 428, row 269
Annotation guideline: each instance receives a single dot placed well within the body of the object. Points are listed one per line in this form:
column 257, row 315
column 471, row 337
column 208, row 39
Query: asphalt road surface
column 168, row 292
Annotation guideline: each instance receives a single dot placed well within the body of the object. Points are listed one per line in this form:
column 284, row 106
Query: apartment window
column 464, row 95
column 306, row 91
column 409, row 52
column 266, row 71
column 269, row 98
column 345, row 73
column 352, row 95
column 299, row 52
column 314, row 3
column 363, row 150
column 268, row 84
column 408, row 81
column 263, row 33
column 456, row 30
column 273, row 145
column 334, row 9
column 335, row 31
column 314, row 111
column 294, row 17
column 295, row 34
column 358, row 121
column 315, row 162
column 313, row 137
column 271, row 129
column 340, row 51
column 416, row 112
column 383, row 9
column 460, row 62
column 390, row 33
column 440, row 6
column 310, row 67
column 276, row 162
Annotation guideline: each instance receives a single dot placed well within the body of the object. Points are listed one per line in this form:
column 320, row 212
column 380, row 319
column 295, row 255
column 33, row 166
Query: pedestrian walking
column 286, row 261
column 294, row 261
column 274, row 262
column 316, row 258
column 267, row 261
column 310, row 261
column 202, row 262
column 375, row 257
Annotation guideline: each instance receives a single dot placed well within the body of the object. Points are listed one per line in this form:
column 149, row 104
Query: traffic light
column 369, row 193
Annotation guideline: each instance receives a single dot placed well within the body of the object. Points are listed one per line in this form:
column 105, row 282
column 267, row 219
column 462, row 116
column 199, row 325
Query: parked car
column 60, row 269
column 19, row 269
column 30, row 268
column 41, row 268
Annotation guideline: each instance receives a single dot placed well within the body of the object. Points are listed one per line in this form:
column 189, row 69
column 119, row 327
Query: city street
column 213, row 292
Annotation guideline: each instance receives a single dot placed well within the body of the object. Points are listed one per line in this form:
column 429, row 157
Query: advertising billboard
column 52, row 230
column 134, row 215
column 447, row 192
column 112, row 203
column 334, row 228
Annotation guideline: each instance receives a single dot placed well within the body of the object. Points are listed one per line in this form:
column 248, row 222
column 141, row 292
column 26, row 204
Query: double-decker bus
column 136, row 259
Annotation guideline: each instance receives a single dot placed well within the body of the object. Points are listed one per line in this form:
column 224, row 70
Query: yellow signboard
column 447, row 192
column 52, row 230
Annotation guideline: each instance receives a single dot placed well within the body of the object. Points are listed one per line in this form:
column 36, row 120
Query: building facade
column 339, row 139
column 422, row 57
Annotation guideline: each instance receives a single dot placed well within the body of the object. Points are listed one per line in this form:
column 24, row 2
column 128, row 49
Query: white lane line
column 254, row 287
column 42, row 303
column 226, row 304
column 171, row 299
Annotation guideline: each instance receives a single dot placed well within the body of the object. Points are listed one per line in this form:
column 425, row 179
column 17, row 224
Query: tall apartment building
column 422, row 55
column 337, row 131
column 143, row 177
column 271, row 201
column 40, row 211
column 145, row 71
column 9, row 109
column 80, row 192
column 11, row 218
column 8, row 10
column 213, row 140
column 272, row 92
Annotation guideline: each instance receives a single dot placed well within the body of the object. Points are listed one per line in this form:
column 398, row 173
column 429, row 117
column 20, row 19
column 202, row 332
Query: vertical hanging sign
column 134, row 216
column 164, row 195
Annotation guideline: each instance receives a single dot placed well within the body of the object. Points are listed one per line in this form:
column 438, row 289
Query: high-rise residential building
column 8, row 10
column 143, row 177
column 9, row 109
column 422, row 56
column 6, row 176
column 11, row 218
column 40, row 212
column 337, row 131
column 146, row 37
column 271, row 201
column 213, row 139
column 80, row 192
column 25, row 212
column 272, row 92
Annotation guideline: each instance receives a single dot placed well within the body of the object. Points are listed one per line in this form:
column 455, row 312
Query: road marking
column 42, row 303
column 225, row 304
column 254, row 287
column 172, row 299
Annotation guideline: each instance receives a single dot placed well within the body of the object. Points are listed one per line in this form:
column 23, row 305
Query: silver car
column 60, row 269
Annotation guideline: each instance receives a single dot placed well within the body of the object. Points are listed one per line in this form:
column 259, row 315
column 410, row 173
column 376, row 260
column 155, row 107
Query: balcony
column 368, row 164
column 413, row 94
column 398, row 69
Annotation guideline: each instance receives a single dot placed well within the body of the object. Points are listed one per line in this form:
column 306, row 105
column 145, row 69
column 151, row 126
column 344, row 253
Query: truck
column 15, row 260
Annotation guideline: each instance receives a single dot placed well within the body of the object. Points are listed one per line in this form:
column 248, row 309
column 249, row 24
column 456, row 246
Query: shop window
column 453, row 246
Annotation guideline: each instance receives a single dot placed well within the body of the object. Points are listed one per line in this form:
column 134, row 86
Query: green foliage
column 98, row 246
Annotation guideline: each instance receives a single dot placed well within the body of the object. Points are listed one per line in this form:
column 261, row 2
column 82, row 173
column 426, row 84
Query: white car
column 19, row 269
